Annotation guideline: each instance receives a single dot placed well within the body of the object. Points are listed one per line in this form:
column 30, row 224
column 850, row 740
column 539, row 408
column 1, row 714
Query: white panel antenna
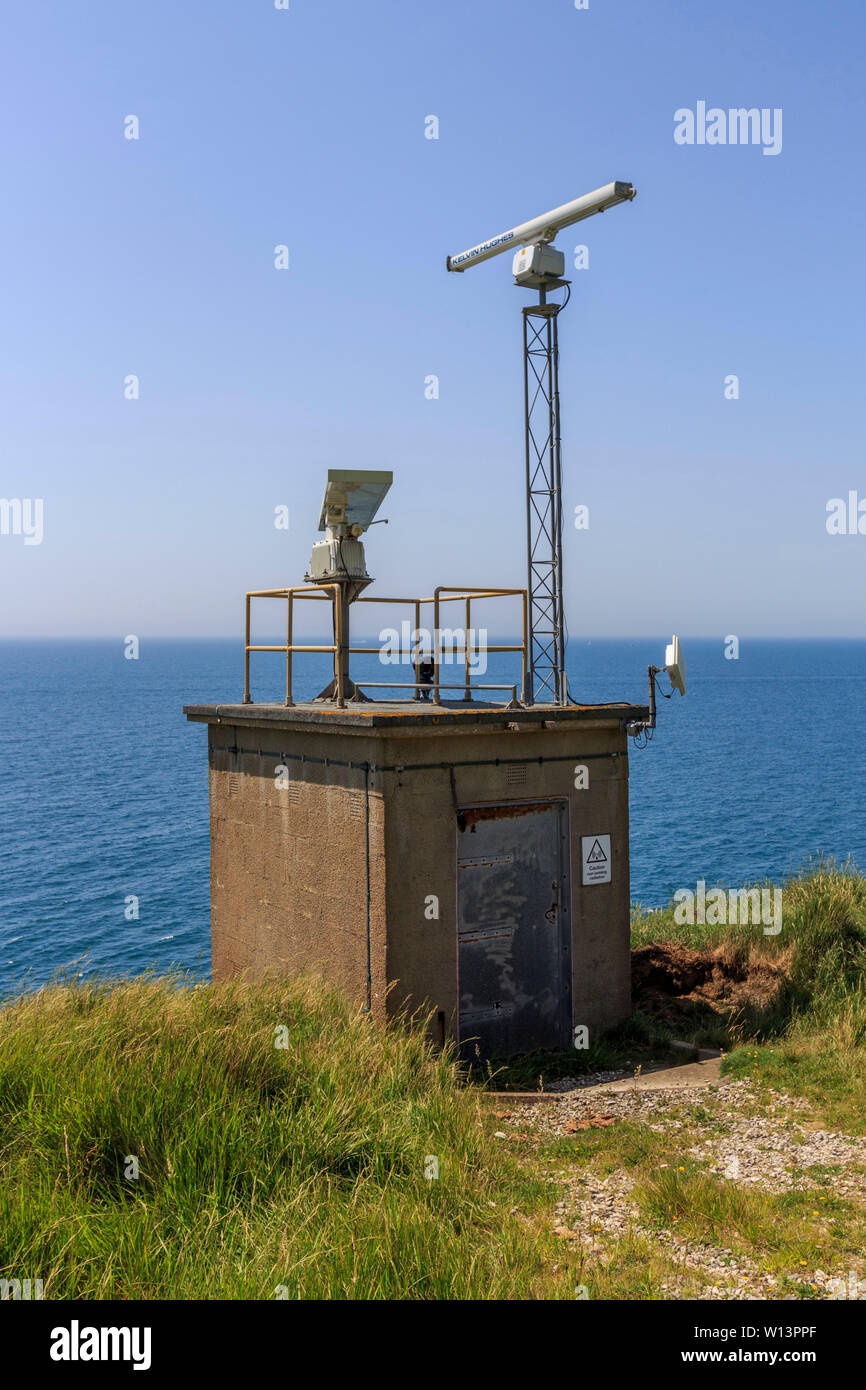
column 675, row 664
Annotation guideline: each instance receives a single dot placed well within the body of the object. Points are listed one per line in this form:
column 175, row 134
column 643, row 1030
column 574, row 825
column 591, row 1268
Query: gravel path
column 757, row 1142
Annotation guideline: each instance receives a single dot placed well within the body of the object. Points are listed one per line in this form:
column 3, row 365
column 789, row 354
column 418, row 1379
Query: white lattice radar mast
column 538, row 265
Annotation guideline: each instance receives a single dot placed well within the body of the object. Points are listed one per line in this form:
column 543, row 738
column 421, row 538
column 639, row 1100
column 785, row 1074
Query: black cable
column 661, row 692
column 647, row 733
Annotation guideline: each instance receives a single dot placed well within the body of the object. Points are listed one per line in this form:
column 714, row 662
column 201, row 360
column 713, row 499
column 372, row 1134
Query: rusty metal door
column 513, row 930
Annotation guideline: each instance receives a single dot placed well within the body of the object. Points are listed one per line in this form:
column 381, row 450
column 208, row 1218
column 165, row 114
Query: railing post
column 415, row 651
column 437, row 650
column 289, row 701
column 338, row 641
column 247, row 697
column 468, row 692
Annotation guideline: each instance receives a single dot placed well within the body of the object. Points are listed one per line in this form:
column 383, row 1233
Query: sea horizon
column 105, row 785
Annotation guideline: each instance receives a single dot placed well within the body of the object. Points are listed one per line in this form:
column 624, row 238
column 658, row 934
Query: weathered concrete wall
column 289, row 868
column 421, row 841
column 289, row 860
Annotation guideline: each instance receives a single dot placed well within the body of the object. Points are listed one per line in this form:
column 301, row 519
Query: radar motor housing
column 535, row 266
column 340, row 557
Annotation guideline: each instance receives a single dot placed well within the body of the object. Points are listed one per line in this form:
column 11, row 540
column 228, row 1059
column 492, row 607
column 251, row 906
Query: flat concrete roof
column 414, row 714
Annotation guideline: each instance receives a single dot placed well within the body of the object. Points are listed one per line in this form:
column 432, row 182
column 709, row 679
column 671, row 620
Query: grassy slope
column 812, row 1041
column 259, row 1166
column 303, row 1167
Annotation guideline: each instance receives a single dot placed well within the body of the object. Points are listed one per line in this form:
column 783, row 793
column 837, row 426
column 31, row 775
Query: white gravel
column 761, row 1142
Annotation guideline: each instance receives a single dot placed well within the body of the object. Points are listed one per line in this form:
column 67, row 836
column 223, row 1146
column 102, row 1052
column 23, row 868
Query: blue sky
column 305, row 127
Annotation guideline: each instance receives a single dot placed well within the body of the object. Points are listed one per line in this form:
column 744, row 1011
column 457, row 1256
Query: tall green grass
column 302, row 1171
column 263, row 1171
column 811, row 1037
column 825, row 917
column 821, row 945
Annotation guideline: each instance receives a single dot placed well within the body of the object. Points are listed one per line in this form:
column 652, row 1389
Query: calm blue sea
column 103, row 784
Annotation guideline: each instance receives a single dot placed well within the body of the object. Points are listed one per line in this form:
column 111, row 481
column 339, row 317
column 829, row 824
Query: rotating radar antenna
column 539, row 266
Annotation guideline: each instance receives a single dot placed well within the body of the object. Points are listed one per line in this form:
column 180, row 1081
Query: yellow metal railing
column 445, row 593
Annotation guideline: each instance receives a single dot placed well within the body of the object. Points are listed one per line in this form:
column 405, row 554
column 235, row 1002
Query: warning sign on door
column 595, row 853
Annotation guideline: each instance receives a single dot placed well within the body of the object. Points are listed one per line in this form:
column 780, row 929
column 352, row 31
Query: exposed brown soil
column 675, row 983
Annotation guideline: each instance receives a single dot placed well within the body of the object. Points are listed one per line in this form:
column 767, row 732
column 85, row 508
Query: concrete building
column 465, row 858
